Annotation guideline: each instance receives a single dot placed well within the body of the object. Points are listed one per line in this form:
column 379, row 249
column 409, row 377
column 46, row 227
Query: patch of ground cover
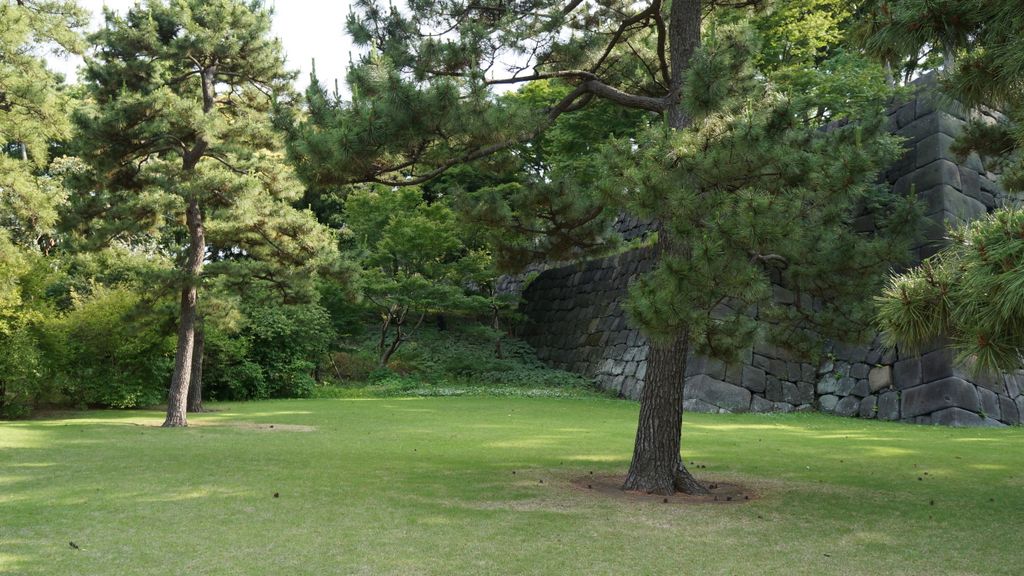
column 483, row 485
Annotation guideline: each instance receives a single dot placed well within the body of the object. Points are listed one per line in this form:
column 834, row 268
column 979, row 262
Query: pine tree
column 33, row 114
column 178, row 134
column 743, row 183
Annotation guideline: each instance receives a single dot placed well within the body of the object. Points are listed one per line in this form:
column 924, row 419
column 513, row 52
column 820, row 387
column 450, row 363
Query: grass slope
column 426, row 486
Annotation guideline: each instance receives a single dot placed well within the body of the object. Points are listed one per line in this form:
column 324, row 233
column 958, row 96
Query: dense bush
column 111, row 349
column 276, row 353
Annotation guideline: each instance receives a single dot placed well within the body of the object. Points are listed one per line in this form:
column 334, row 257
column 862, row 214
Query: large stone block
column 790, row 393
column 889, row 406
column 828, row 402
column 937, row 364
column 932, row 148
column 960, row 418
column 946, row 198
column 929, row 124
column 947, row 393
column 989, row 403
column 760, row 405
column 694, row 405
column 829, row 384
column 1008, row 411
column 860, row 370
column 773, row 389
column 868, row 407
column 880, row 377
column 928, row 178
column 861, row 389
column 753, row 379
column 906, row 373
column 722, row 394
column 848, row 406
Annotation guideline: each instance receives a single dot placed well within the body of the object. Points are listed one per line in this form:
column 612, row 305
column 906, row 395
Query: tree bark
column 657, row 466
column 195, row 381
column 177, row 398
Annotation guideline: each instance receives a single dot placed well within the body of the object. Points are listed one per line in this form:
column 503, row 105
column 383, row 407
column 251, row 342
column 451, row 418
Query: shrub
column 110, row 350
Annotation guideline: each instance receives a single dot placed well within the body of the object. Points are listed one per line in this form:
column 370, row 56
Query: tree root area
column 610, row 486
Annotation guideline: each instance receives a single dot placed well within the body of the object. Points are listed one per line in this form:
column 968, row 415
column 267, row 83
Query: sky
column 308, row 29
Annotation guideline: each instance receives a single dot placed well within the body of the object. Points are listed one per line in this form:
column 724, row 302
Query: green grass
column 426, row 486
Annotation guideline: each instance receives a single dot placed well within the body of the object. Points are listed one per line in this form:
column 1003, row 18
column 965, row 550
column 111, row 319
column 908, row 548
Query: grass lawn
column 453, row 486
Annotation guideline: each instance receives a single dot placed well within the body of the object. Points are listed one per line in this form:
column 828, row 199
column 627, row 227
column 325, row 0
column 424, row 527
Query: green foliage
column 33, row 114
column 971, row 293
column 464, row 358
column 414, row 261
column 110, row 350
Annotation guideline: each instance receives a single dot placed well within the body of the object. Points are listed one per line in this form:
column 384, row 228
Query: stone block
column 783, row 407
column 860, row 370
column 760, row 405
column 773, row 389
column 1008, row 411
column 790, row 393
column 946, row 198
column 960, row 418
column 805, row 392
column 753, row 379
column 889, row 406
column 946, row 393
column 936, row 365
column 848, row 406
column 880, row 377
column 641, row 370
column 862, row 389
column 928, row 178
column 970, row 183
column 846, row 386
column 1013, row 384
column 793, row 371
column 868, row 407
column 828, row 402
column 722, row 394
column 829, row 384
column 760, row 361
column 808, row 373
column 777, row 368
column 989, row 403
column 694, row 405
column 932, row 148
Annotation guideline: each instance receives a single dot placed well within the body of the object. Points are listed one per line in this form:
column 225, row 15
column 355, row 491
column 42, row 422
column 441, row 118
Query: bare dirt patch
column 721, row 492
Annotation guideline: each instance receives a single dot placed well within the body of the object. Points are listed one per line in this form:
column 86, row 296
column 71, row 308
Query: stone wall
column 576, row 322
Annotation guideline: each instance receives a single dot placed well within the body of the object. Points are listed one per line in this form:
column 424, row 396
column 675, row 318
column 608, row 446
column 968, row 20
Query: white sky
column 308, row 29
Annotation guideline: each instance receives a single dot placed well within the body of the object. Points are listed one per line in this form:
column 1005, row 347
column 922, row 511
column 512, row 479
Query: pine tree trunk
column 177, row 398
column 195, row 381
column 657, row 466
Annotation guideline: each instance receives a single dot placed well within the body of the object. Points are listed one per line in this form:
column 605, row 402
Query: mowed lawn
column 477, row 485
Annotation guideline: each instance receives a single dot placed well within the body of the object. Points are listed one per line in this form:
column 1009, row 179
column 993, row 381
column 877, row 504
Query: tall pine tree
column 178, row 133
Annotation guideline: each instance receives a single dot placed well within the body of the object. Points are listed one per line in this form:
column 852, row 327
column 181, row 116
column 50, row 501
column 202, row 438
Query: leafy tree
column 33, row 118
column 183, row 152
column 414, row 261
column 743, row 185
column 970, row 292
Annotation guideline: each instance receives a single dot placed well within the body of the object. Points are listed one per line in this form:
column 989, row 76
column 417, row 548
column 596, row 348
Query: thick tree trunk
column 195, row 381
column 177, row 398
column 657, row 466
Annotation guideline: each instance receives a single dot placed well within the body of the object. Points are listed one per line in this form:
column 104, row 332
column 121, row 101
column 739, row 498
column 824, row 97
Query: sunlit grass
column 453, row 486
